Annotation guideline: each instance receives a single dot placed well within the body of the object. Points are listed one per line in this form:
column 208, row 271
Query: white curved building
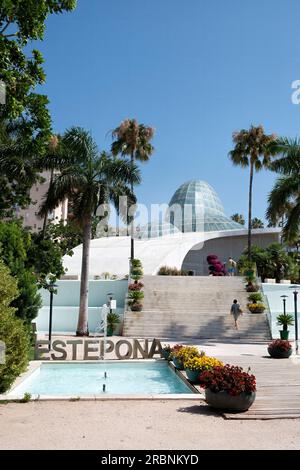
column 195, row 226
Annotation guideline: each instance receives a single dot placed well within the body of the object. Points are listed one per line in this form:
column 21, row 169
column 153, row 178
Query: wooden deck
column 278, row 387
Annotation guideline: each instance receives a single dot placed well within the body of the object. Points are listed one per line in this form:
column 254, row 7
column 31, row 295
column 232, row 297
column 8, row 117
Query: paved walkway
column 278, row 387
column 137, row 425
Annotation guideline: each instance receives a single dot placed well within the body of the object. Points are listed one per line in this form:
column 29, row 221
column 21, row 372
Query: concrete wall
column 66, row 304
column 224, row 247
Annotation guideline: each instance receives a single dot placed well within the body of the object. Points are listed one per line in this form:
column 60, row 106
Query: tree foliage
column 271, row 262
column 284, row 199
column 12, row 332
column 31, row 259
column 25, row 123
column 239, row 218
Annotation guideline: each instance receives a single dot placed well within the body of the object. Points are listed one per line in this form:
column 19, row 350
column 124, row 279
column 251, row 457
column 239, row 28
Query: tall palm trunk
column 82, row 325
column 132, row 221
column 250, row 210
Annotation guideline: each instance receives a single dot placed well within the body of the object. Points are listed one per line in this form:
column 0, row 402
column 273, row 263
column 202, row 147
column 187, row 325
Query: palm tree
column 90, row 180
column 252, row 149
column 239, row 218
column 18, row 166
column 133, row 139
column 284, row 199
column 257, row 223
column 51, row 161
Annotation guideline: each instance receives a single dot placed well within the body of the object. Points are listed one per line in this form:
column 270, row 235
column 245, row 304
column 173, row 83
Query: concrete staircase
column 194, row 307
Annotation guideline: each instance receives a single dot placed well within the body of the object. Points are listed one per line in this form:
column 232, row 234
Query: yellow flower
column 202, row 363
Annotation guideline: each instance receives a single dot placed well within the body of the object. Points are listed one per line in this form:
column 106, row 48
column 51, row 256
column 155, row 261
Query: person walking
column 236, row 312
column 231, row 266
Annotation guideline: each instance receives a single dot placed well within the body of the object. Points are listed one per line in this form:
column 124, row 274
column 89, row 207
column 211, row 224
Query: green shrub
column 255, row 297
column 12, row 332
column 15, row 246
column 168, row 271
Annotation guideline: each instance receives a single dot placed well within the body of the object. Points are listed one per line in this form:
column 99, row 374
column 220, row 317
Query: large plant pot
column 193, row 375
column 257, row 310
column 177, row 363
column 110, row 331
column 136, row 307
column 279, row 354
column 166, row 354
column 224, row 401
column 284, row 334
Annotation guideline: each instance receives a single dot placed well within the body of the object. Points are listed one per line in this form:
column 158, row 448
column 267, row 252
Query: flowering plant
column 256, row 307
column 202, row 363
column 230, row 379
column 185, row 352
column 280, row 344
column 136, row 286
column 167, row 347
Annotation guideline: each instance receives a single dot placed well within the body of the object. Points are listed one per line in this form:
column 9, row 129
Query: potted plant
column 280, row 349
column 135, row 298
column 256, row 307
column 195, row 365
column 251, row 287
column 255, row 297
column 180, row 355
column 285, row 320
column 113, row 319
column 166, row 351
column 136, row 272
column 228, row 388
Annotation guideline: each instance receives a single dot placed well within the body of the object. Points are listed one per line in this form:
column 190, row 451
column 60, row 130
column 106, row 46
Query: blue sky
column 196, row 70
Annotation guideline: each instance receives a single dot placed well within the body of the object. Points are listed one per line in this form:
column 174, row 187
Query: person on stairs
column 231, row 266
column 236, row 312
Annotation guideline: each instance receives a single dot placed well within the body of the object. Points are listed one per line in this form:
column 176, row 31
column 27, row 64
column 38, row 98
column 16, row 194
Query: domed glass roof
column 196, row 207
column 155, row 229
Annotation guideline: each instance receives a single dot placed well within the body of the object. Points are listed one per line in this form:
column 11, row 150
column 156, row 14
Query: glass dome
column 196, row 207
column 155, row 230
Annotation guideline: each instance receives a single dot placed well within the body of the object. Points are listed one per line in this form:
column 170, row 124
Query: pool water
column 74, row 380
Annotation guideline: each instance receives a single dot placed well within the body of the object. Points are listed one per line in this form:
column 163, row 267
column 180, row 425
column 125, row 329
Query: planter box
column 224, row 401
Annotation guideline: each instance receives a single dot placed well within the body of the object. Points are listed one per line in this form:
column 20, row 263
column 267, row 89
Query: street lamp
column 110, row 301
column 51, row 288
column 284, row 297
column 295, row 292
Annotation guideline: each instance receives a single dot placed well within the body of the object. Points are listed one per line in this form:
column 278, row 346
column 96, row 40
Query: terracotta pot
column 223, row 401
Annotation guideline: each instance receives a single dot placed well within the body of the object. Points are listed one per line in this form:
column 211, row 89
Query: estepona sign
column 93, row 349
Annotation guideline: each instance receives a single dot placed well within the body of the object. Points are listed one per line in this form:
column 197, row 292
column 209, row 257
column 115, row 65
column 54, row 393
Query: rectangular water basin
column 87, row 379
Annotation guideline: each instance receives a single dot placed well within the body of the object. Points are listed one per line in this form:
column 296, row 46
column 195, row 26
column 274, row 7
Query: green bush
column 168, row 271
column 15, row 245
column 255, row 297
column 12, row 332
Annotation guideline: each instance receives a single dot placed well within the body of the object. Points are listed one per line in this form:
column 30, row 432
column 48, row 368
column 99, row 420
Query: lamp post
column 110, row 300
column 284, row 297
column 295, row 292
column 51, row 288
